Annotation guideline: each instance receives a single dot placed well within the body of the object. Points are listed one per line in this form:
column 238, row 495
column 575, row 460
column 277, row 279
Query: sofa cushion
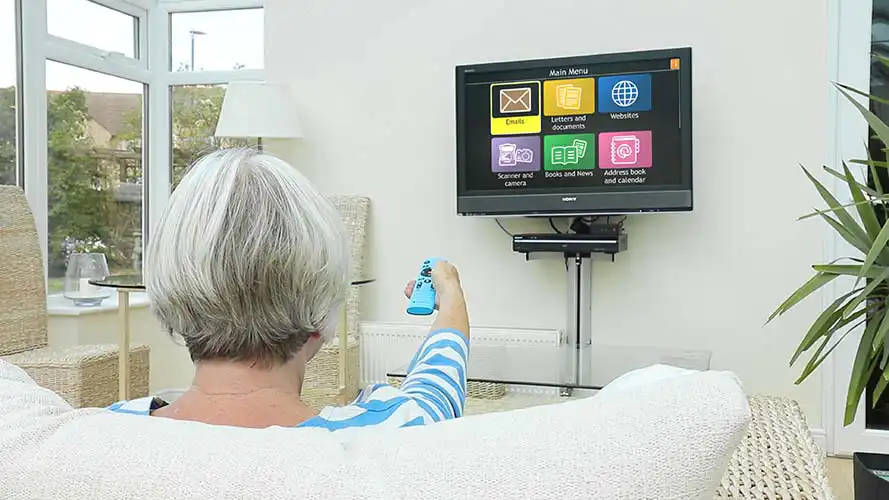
column 669, row 438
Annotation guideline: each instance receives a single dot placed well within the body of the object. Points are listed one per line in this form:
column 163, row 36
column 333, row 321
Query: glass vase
column 83, row 267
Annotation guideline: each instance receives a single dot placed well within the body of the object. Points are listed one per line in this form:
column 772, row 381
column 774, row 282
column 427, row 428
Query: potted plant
column 863, row 223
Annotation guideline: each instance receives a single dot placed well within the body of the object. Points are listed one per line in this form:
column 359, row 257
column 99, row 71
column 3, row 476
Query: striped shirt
column 433, row 390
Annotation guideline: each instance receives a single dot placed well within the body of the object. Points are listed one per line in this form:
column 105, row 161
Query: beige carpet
column 839, row 470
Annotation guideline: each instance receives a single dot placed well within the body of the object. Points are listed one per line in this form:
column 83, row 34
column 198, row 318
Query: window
column 92, row 24
column 877, row 414
column 195, row 111
column 122, row 123
column 216, row 41
column 94, row 190
column 8, row 93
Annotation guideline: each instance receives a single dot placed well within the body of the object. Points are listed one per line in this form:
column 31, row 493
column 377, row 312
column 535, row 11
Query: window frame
column 166, row 78
column 150, row 67
column 19, row 97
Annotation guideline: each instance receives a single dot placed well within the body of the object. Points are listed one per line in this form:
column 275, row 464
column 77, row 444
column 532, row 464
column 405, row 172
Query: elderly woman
column 249, row 265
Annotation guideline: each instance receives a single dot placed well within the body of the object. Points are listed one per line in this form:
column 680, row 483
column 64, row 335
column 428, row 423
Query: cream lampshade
column 258, row 110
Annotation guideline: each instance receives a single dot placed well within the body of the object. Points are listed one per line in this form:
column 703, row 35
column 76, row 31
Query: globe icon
column 624, row 93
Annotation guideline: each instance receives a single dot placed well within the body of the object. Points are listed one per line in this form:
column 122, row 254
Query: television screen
column 601, row 134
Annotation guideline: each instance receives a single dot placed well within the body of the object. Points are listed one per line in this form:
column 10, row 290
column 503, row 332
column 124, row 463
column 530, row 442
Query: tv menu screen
column 597, row 127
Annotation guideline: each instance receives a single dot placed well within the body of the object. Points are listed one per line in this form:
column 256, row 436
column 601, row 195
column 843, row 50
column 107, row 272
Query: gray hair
column 248, row 260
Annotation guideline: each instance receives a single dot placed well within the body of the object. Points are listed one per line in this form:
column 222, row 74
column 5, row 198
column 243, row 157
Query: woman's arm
column 436, row 377
column 451, row 304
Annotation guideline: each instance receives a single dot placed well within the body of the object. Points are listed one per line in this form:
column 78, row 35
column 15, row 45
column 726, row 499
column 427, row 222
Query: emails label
column 515, row 108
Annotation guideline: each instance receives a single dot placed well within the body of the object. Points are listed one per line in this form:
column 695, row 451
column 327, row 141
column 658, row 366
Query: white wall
column 375, row 87
column 170, row 365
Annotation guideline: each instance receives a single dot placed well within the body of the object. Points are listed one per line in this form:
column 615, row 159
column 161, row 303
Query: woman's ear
column 313, row 344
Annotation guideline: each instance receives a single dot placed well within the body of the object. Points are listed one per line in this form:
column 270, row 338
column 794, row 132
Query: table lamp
column 258, row 110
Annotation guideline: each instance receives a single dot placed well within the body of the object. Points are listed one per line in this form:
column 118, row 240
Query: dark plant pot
column 869, row 485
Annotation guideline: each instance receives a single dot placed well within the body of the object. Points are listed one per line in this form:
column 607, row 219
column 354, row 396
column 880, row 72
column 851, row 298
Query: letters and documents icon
column 515, row 100
column 568, row 96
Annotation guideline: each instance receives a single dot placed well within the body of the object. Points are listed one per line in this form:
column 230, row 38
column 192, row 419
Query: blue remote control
column 422, row 301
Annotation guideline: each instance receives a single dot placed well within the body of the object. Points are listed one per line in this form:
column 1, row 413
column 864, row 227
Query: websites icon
column 624, row 93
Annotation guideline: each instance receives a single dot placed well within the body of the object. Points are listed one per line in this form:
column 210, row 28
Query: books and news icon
column 515, row 100
column 570, row 154
column 568, row 96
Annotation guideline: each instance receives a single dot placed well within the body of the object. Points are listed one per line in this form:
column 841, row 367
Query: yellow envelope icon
column 517, row 100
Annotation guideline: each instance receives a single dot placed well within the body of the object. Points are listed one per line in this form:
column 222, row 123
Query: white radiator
column 387, row 346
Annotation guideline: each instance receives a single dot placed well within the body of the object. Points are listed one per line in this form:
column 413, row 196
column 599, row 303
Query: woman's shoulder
column 379, row 405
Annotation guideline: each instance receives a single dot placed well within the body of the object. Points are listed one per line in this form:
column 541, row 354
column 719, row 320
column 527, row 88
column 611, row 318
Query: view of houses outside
column 95, row 165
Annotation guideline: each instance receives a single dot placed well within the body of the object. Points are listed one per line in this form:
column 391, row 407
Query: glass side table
column 126, row 283
column 566, row 367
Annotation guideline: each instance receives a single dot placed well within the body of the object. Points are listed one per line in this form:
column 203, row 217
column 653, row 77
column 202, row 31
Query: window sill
column 57, row 305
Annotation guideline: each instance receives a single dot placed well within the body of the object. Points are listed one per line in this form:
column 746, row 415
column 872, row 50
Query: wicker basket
column 85, row 375
column 478, row 390
column 322, row 386
column 778, row 458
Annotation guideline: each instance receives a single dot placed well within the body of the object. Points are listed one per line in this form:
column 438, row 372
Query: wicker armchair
column 322, row 384
column 84, row 375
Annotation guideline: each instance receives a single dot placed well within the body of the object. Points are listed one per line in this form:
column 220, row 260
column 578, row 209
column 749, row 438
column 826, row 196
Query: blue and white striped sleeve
column 433, row 390
column 436, row 377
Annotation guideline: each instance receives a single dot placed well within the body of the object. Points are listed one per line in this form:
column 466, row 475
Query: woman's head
column 249, row 260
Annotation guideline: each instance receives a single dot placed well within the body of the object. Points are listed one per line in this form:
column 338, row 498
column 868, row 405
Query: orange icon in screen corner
column 674, row 63
column 517, row 100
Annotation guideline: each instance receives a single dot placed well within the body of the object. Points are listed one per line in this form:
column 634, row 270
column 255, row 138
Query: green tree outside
column 84, row 178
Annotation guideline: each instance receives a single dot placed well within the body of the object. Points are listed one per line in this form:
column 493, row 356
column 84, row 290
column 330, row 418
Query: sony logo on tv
column 569, row 199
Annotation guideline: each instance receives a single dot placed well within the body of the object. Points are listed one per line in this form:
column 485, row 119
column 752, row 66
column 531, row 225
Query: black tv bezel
column 565, row 202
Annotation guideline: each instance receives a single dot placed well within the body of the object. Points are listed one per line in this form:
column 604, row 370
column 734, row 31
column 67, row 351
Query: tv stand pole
column 579, row 318
column 577, row 248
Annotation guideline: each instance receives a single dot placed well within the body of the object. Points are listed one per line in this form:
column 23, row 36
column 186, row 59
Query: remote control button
column 426, row 272
column 419, row 284
column 425, row 262
column 427, row 280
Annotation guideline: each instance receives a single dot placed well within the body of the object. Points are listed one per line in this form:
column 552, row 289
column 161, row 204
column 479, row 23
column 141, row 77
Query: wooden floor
column 839, row 470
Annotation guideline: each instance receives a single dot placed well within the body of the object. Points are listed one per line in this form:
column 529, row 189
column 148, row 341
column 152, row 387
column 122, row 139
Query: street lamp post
column 193, row 34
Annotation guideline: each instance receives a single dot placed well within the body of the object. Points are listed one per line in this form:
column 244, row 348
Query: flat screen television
column 587, row 135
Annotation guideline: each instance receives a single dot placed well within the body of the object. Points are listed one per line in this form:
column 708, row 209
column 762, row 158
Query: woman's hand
column 446, row 281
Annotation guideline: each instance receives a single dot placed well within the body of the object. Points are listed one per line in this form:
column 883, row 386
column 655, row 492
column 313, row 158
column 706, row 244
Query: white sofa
column 653, row 435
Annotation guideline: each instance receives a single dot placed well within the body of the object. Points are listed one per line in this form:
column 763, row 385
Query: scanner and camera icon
column 515, row 154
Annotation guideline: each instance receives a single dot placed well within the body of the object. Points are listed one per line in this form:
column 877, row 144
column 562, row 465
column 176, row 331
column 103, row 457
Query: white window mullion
column 214, row 77
column 158, row 135
column 35, row 121
column 172, row 6
column 134, row 8
column 87, row 57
